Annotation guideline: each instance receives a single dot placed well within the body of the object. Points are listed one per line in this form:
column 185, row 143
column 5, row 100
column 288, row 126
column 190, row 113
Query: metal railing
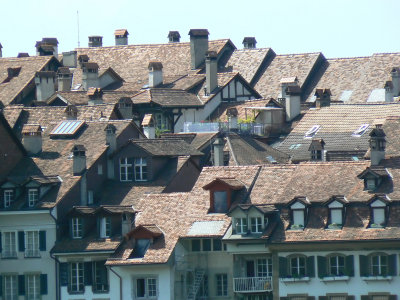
column 259, row 129
column 252, row 284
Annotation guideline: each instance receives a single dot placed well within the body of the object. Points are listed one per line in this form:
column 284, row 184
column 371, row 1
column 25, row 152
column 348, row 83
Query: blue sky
column 337, row 28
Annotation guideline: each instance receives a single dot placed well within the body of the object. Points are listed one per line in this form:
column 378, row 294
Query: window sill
column 335, row 278
column 28, row 257
column 377, row 278
column 300, row 279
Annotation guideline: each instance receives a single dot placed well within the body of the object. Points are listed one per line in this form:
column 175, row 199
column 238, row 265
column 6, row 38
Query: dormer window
column 373, row 177
column 298, row 215
column 220, row 202
column 335, row 215
column 256, row 224
column 105, row 227
column 8, row 198
column 33, row 197
column 77, row 228
column 378, row 214
column 140, row 169
column 241, row 225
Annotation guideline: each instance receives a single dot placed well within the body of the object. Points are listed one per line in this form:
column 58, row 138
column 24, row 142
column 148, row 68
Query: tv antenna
column 77, row 19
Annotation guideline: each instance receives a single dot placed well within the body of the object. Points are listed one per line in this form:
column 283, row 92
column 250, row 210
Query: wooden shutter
column 43, row 284
column 310, row 266
column 392, row 270
column 364, row 267
column 63, row 274
column 42, row 240
column 282, row 267
column 21, row 284
column 349, row 266
column 21, row 241
column 87, row 270
column 322, row 262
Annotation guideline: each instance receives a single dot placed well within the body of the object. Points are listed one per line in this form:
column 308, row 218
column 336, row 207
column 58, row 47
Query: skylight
column 67, row 128
column 361, row 130
column 271, row 159
column 313, row 130
column 294, row 146
column 345, row 96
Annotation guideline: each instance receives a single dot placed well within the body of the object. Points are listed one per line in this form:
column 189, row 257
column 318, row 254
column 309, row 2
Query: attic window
column 335, row 215
column 361, row 130
column 298, row 215
column 141, row 247
column 67, row 128
column 220, row 202
column 378, row 215
column 313, row 130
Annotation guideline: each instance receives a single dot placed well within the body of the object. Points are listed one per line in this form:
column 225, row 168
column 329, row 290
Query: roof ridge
column 298, row 54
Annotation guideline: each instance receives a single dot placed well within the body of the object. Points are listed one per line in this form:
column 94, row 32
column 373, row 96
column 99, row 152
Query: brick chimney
column 47, row 46
column 45, row 84
column 32, row 138
column 323, row 97
column 218, row 149
column 377, row 144
column 79, row 160
column 95, row 41
column 249, row 42
column 211, row 71
column 121, row 37
column 90, row 75
column 149, row 129
column 388, row 91
column 95, row 96
column 395, row 73
column 70, row 59
column 155, row 73
column 174, row 37
column 64, row 79
column 198, row 46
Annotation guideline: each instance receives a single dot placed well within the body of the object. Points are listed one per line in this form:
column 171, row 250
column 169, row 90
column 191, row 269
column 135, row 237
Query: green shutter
column 392, row 270
column 42, row 240
column 364, row 266
column 43, row 284
column 282, row 267
column 321, row 266
column 21, row 241
column 87, row 269
column 349, row 266
column 310, row 266
column 21, row 284
column 63, row 274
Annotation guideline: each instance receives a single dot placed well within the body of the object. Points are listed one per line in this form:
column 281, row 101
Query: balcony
column 243, row 128
column 252, row 284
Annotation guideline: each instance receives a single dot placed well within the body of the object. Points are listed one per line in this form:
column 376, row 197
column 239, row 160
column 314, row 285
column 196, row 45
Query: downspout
column 120, row 282
column 57, row 262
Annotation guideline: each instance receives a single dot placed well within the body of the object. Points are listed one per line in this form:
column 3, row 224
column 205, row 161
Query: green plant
column 248, row 120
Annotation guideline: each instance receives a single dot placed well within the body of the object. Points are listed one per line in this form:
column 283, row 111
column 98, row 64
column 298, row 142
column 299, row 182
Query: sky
column 337, row 28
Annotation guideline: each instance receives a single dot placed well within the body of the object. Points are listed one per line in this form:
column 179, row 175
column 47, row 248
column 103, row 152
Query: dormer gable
column 316, row 150
column 379, row 211
column 336, row 206
column 298, row 212
column 142, row 237
column 373, row 177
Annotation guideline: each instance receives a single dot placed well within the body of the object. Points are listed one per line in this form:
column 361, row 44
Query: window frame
column 35, row 242
column 221, row 284
column 150, row 287
column 241, row 225
column 99, row 286
column 340, row 268
column 125, row 169
column 36, row 285
column 382, row 268
column 9, row 253
column 76, row 282
column 140, row 169
column 8, row 196
column 105, row 227
column 14, row 286
column 76, row 228
column 33, row 196
column 267, row 266
column 258, row 225
column 297, row 267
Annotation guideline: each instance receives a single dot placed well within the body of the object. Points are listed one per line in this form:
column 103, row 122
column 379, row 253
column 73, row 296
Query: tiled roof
column 81, row 97
column 28, row 67
column 391, row 127
column 168, row 98
column 197, row 139
column 337, row 135
column 357, row 76
column 13, row 113
column 86, row 244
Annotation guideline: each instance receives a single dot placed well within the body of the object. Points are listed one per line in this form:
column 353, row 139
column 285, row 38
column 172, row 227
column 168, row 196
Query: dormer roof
column 339, row 198
column 299, row 199
column 317, row 144
column 375, row 171
column 380, row 197
column 146, row 231
column 231, row 183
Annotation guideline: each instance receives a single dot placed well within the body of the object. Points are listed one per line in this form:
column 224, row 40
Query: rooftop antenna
column 77, row 18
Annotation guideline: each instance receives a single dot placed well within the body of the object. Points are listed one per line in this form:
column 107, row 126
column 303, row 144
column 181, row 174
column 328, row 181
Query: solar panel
column 345, row 96
column 67, row 128
column 377, row 95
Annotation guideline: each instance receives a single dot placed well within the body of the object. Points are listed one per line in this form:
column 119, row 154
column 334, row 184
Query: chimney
column 292, row 102
column 47, row 46
column 32, row 138
column 218, row 149
column 125, row 107
column 121, row 37
column 95, row 96
column 64, row 79
column 70, row 59
column 126, row 224
column 79, row 160
column 1, row 51
column 95, row 41
column 323, row 98
column 211, row 71
column 249, row 42
column 155, row 73
column 82, row 59
column 71, row 112
column 316, row 149
column 22, row 54
column 111, row 141
column 148, row 126
column 198, row 46
column 174, row 37
column 90, row 75
column 389, row 91
column 232, row 114
column 396, row 81
column 45, row 84
column 377, row 144
column 288, row 81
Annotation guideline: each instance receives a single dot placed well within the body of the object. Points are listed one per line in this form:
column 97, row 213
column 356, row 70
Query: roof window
column 67, row 128
column 313, row 130
column 361, row 130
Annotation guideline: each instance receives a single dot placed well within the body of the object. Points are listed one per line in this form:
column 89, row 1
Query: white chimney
column 64, row 79
column 218, row 149
column 79, row 160
column 32, row 138
column 211, row 71
column 69, row 59
column 155, row 73
column 292, row 102
column 148, row 126
column 121, row 37
column 90, row 75
column 45, row 84
column 198, row 46
column 396, row 81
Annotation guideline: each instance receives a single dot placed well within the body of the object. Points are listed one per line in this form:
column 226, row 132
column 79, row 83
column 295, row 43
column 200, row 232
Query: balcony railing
column 252, row 284
column 243, row 128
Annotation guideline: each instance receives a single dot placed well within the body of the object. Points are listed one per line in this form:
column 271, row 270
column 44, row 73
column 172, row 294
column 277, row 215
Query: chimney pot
column 64, row 79
column 79, row 159
column 155, row 73
column 323, row 97
column 47, row 46
column 90, row 75
column 32, row 138
column 23, row 54
column 45, row 84
column 218, row 147
column 396, row 81
column 377, row 144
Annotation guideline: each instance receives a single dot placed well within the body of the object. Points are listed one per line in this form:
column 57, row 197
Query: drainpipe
column 58, row 290
column 120, row 282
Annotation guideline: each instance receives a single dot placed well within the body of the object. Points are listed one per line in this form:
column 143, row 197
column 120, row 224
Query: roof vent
column 121, row 37
column 174, row 37
column 249, row 42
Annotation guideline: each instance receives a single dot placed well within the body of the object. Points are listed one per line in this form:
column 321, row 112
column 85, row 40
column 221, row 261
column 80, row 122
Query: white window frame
column 140, row 164
column 382, row 267
column 33, row 197
column 105, row 227
column 32, row 286
column 10, row 287
column 125, row 169
column 221, row 284
column 77, row 228
column 296, row 266
column 8, row 197
column 150, row 287
column 9, row 246
column 256, row 222
column 32, row 243
column 241, row 225
column 76, row 280
column 264, row 267
column 337, row 268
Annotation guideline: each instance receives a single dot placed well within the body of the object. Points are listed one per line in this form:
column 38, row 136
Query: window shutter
column 282, row 267
column 392, row 297
column 43, row 284
column 349, row 267
column 322, row 298
column 364, row 266
column 392, row 265
column 364, row 297
column 21, row 241
column 310, row 266
column 321, row 266
column 87, row 269
column 310, row 297
column 350, row 298
column 21, row 284
column 42, row 240
column 63, row 274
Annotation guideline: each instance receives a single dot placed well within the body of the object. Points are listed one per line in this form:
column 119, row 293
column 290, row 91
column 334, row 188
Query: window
column 298, row 266
column 206, row 245
column 361, row 130
column 217, row 245
column 203, row 289
column 33, row 197
column 256, row 224
column 146, row 288
column 100, row 277
column 264, row 267
column 241, row 225
column 77, row 228
column 33, row 286
column 336, row 265
column 140, row 169
column 316, row 154
column 105, row 227
column 335, row 214
column 125, row 169
column 222, row 284
column 90, row 197
column 298, row 218
column 196, row 245
column 312, row 131
column 220, row 202
column 32, row 244
column 76, row 284
column 8, row 198
column 100, row 170
column 371, row 183
column 141, row 247
column 9, row 245
column 10, row 287
column 378, row 213
column 379, row 265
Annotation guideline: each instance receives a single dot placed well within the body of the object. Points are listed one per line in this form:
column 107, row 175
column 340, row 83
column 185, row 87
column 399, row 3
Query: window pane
column 220, row 202
column 152, row 287
column 195, row 245
column 298, row 217
column 32, row 244
column 379, row 216
column 207, row 245
column 10, row 287
column 217, row 245
column 33, row 287
column 336, row 216
column 140, row 287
